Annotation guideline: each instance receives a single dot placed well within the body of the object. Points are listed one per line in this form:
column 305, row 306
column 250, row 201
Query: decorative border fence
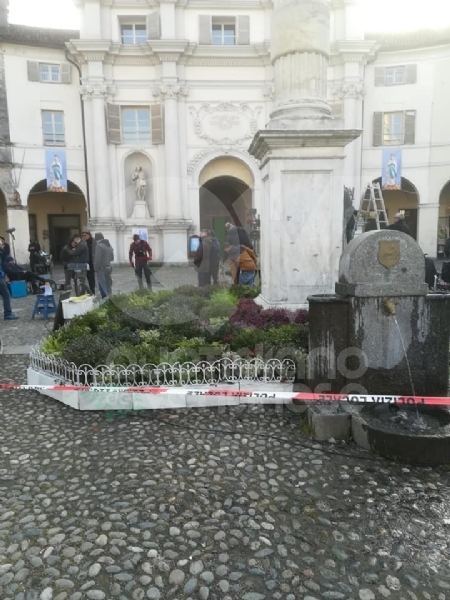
column 223, row 370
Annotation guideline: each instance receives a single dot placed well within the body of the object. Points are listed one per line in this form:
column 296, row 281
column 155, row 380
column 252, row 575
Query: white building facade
column 155, row 106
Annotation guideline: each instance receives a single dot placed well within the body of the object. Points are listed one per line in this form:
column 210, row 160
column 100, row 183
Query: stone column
column 174, row 225
column 17, row 216
column 300, row 47
column 301, row 153
column 101, row 202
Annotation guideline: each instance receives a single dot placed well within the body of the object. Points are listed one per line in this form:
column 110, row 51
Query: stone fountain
column 382, row 333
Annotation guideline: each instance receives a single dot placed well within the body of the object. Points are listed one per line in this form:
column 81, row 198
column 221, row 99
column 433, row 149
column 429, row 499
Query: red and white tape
column 263, row 396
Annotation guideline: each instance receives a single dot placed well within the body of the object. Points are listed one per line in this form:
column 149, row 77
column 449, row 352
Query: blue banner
column 391, row 178
column 56, row 167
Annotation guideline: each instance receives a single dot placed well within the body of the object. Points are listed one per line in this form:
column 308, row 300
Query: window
column 394, row 128
column 133, row 33
column 49, row 73
column 53, row 127
column 223, row 32
column 136, row 125
column 396, row 75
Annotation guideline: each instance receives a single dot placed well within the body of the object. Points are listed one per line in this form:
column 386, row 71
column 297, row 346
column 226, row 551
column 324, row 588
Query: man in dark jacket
column 447, row 248
column 4, row 293
column 203, row 258
column 5, row 250
column 16, row 273
column 34, row 248
column 237, row 236
column 215, row 257
column 399, row 224
column 104, row 255
column 91, row 244
column 142, row 255
column 80, row 255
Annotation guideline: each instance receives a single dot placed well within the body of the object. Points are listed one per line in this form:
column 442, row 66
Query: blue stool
column 45, row 305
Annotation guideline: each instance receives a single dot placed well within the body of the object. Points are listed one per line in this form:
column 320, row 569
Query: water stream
column 418, row 417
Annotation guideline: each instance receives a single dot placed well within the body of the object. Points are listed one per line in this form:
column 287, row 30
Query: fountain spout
column 389, row 307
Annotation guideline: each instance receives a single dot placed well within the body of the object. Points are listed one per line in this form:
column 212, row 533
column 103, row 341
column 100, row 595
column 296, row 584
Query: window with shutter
column 411, row 73
column 377, row 129
column 154, row 26
column 66, row 73
column 379, row 76
column 157, row 116
column 204, row 30
column 33, row 70
column 114, row 124
column 410, row 127
column 243, row 29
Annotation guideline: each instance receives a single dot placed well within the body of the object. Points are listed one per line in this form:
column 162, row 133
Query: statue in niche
column 140, row 184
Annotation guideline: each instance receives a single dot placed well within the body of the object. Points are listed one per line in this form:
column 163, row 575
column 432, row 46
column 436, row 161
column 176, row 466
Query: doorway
column 61, row 228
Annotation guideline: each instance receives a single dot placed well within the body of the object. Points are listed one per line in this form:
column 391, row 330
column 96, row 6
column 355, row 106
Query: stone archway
column 405, row 200
column 443, row 218
column 55, row 216
column 226, row 194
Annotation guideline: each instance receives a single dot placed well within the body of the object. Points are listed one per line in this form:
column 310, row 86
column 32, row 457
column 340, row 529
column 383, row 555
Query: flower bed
column 188, row 326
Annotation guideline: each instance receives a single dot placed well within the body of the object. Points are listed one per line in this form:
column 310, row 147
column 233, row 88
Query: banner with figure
column 56, row 167
column 391, row 178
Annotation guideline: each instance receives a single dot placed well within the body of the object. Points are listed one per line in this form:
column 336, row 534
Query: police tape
column 266, row 397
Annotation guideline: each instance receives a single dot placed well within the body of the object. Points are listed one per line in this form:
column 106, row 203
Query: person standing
column 4, row 293
column 237, row 236
column 34, row 248
column 5, row 251
column 80, row 255
column 142, row 255
column 66, row 259
column 86, row 236
column 202, row 258
column 399, row 224
column 242, row 261
column 215, row 257
column 447, row 248
column 104, row 255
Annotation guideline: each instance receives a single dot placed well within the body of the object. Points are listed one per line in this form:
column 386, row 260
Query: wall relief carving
column 225, row 123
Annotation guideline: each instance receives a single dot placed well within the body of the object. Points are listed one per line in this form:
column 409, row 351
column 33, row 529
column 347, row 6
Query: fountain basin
column 400, row 435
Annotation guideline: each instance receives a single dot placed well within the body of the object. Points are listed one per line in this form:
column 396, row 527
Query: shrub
column 244, row 291
column 275, row 317
column 192, row 291
column 301, row 316
column 247, row 313
column 87, row 349
column 221, row 304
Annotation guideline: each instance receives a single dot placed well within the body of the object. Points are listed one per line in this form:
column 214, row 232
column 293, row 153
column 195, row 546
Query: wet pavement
column 207, row 504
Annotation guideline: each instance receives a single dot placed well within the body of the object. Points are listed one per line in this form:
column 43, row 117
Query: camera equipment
column 10, row 230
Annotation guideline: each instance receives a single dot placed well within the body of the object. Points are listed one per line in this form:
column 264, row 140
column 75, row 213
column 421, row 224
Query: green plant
column 221, row 304
column 244, row 291
column 87, row 349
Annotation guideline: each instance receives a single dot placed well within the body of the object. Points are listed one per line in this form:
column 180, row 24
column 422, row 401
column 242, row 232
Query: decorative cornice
column 362, row 51
column 355, row 89
column 170, row 91
column 268, row 142
column 97, row 90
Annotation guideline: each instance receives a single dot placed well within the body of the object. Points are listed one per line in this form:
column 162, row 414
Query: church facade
column 142, row 120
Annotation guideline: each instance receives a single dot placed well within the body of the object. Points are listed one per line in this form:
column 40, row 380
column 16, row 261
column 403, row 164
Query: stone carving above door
column 225, row 123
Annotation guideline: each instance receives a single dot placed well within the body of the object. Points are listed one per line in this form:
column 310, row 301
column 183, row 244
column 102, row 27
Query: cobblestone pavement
column 204, row 504
column 18, row 336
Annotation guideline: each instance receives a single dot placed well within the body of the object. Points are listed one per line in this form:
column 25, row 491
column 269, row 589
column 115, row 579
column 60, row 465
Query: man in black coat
column 237, row 236
column 399, row 224
column 80, row 255
column 91, row 244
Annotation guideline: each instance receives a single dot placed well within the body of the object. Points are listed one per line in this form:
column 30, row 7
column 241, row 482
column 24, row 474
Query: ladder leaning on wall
column 372, row 201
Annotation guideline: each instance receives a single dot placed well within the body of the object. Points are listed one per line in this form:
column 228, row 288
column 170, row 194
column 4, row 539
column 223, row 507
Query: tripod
column 13, row 239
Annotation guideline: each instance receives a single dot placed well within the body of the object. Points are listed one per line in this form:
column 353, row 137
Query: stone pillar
column 4, row 15
column 18, row 218
column 174, row 224
column 302, row 154
column 300, row 47
column 101, row 202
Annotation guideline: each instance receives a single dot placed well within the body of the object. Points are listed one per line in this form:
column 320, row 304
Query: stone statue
column 140, row 184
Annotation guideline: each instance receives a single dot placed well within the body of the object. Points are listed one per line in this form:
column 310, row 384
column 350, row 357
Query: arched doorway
column 444, row 218
column 54, row 216
column 226, row 194
column 405, row 201
column 3, row 215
